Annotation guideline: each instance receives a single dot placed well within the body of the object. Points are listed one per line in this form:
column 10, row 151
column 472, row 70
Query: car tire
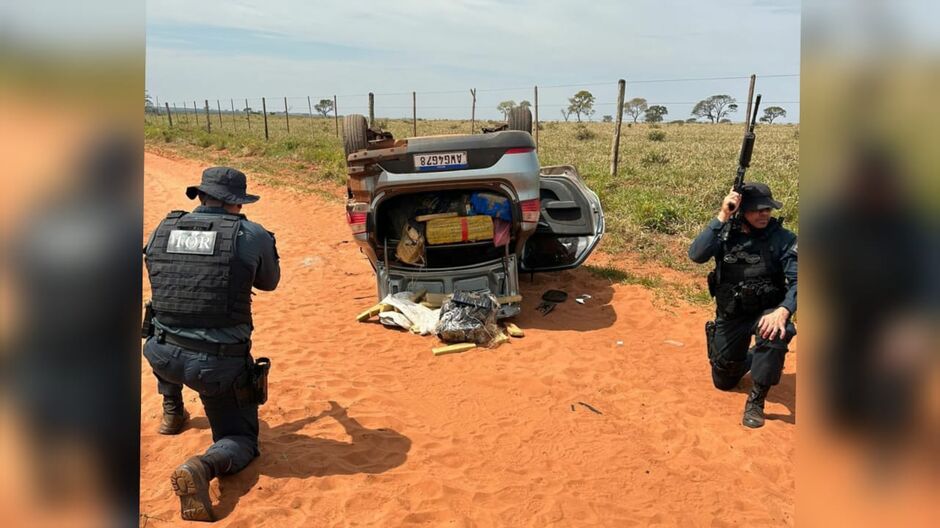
column 355, row 133
column 520, row 118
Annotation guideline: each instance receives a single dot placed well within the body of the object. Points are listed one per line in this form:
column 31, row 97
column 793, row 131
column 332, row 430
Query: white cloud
column 483, row 43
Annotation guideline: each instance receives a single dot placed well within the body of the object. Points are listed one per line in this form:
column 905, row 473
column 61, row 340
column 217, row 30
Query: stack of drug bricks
column 434, row 301
column 446, row 228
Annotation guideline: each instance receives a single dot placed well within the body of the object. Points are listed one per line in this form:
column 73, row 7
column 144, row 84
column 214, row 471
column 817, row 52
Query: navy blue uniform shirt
column 707, row 245
column 256, row 248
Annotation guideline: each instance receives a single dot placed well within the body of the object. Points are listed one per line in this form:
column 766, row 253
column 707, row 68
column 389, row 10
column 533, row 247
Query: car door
column 571, row 222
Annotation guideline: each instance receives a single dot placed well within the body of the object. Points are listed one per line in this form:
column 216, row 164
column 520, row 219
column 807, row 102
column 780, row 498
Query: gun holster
column 146, row 328
column 251, row 388
column 259, row 379
column 710, row 340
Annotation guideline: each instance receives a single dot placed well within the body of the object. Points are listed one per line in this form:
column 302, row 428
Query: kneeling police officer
column 202, row 266
column 754, row 285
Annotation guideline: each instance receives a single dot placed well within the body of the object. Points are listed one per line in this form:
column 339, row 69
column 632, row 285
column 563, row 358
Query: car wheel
column 355, row 135
column 520, row 118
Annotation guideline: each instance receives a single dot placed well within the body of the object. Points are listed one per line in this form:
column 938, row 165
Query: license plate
column 441, row 161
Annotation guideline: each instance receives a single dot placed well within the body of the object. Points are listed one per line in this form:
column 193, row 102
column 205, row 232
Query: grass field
column 670, row 181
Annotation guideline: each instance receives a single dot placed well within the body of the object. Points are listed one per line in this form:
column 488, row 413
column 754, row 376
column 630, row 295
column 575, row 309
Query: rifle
column 744, row 160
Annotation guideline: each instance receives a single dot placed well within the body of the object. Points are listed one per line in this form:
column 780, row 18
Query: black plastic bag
column 469, row 317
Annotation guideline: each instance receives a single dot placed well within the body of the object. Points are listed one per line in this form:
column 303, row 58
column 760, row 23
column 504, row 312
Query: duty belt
column 197, row 345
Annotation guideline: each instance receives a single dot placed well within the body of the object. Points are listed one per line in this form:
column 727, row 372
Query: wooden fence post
column 287, row 115
column 208, row 118
column 335, row 116
column 234, row 115
column 218, row 107
column 473, row 109
column 414, row 114
column 195, row 114
column 535, row 128
column 615, row 147
column 264, row 111
column 168, row 114
column 310, row 111
column 248, row 114
column 371, row 109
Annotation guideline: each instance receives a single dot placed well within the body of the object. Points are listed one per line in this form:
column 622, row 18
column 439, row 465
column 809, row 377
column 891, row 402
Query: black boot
column 190, row 482
column 174, row 415
column 754, row 408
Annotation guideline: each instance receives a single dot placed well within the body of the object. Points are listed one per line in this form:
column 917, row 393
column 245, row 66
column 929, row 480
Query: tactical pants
column 234, row 423
column 728, row 342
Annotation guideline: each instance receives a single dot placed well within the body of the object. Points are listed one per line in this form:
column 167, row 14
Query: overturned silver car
column 465, row 212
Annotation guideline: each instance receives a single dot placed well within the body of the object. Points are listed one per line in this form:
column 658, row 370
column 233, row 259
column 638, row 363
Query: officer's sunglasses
column 750, row 258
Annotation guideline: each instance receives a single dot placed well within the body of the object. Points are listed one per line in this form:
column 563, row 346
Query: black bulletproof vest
column 196, row 278
column 748, row 279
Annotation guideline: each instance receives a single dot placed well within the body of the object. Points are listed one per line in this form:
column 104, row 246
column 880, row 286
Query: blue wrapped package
column 491, row 204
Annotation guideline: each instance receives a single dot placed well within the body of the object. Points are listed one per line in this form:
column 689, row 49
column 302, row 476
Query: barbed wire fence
column 299, row 115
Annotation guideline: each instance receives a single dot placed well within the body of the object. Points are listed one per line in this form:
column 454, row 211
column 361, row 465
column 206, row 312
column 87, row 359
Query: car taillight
column 357, row 221
column 521, row 150
column 530, row 211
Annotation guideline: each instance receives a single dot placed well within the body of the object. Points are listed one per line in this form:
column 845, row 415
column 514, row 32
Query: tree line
column 715, row 109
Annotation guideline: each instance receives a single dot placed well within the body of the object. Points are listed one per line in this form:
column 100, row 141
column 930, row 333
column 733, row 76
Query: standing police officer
column 202, row 267
column 754, row 285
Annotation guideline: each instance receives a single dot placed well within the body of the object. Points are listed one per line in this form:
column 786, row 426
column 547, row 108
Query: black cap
column 758, row 196
column 223, row 183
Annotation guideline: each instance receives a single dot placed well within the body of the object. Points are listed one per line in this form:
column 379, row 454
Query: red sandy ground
column 484, row 438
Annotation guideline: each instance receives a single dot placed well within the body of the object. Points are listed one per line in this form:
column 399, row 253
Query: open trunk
column 394, row 213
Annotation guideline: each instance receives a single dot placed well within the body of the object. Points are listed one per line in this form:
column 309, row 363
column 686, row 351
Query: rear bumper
column 500, row 277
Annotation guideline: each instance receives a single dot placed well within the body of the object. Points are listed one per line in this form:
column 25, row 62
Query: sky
column 238, row 49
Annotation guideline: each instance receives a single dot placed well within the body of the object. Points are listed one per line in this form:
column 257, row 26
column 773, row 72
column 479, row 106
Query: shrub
column 659, row 217
column 656, row 135
column 582, row 133
column 654, row 158
column 290, row 144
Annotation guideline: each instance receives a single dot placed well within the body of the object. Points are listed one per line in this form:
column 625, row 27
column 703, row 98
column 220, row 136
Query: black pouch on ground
column 469, row 317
